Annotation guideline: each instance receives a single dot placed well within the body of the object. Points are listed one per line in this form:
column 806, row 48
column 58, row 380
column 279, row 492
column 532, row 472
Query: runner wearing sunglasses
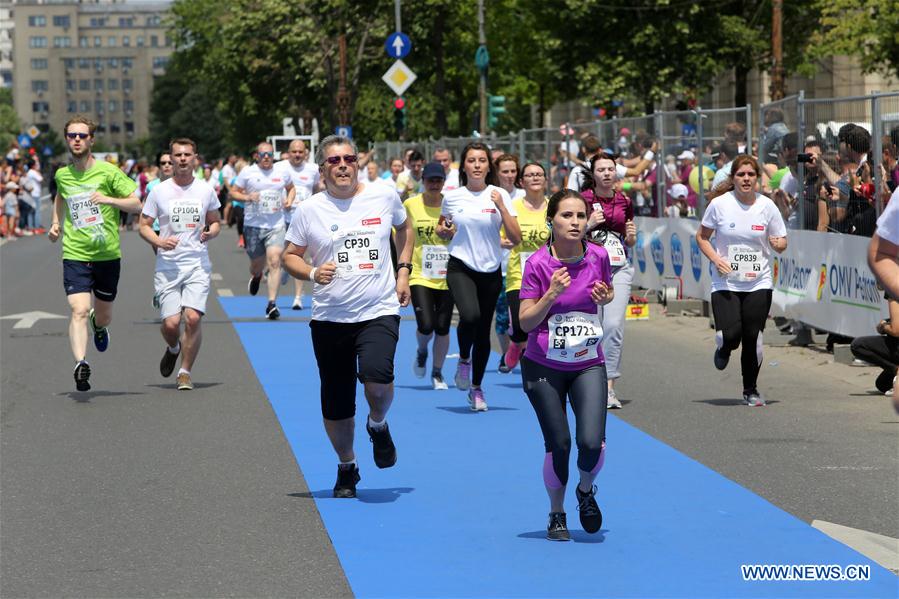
column 266, row 193
column 91, row 194
column 346, row 231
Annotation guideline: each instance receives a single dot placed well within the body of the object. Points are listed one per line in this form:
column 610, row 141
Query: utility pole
column 777, row 51
column 482, row 90
column 343, row 96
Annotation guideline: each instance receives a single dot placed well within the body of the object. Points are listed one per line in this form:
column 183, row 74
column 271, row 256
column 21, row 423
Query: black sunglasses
column 78, row 135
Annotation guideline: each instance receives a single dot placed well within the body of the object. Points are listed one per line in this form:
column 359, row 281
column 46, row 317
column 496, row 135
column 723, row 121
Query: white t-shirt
column 741, row 236
column 789, row 183
column 478, row 221
column 267, row 213
column 389, row 182
column 452, row 180
column 228, row 173
column 37, row 178
column 182, row 213
column 722, row 174
column 572, row 147
column 304, row 178
column 354, row 234
column 888, row 223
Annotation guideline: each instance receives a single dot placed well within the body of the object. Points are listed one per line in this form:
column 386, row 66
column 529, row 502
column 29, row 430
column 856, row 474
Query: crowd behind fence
column 829, row 164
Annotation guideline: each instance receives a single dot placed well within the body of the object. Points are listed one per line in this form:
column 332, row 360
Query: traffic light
column 399, row 115
column 496, row 106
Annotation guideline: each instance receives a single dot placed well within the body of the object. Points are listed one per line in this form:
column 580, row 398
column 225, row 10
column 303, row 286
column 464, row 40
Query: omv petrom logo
column 639, row 247
column 677, row 254
column 695, row 259
column 658, row 252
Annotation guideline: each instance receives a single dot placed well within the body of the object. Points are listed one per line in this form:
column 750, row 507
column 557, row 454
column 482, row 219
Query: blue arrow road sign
column 24, row 140
column 398, row 45
column 344, row 131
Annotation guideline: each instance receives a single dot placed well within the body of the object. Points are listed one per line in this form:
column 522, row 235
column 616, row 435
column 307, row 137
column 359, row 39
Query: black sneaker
column 253, row 285
column 272, row 312
column 101, row 334
column 558, row 527
column 502, row 368
column 721, row 359
column 383, row 447
column 345, row 487
column 884, row 381
column 418, row 366
column 167, row 364
column 591, row 517
column 82, row 376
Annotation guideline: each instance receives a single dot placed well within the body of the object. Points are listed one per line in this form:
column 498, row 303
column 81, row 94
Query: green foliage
column 867, row 29
column 10, row 125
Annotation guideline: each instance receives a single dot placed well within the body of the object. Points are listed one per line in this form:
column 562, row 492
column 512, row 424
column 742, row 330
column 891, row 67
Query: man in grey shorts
column 266, row 192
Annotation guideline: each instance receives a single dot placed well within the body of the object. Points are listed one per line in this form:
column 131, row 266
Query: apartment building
column 96, row 58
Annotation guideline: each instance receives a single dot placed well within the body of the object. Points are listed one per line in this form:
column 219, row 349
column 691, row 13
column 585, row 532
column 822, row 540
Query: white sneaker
column 476, row 400
column 419, row 363
column 438, row 382
column 297, row 303
column 613, row 403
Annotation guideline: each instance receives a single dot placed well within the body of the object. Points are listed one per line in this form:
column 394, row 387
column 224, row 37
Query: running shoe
column 382, row 446
column 438, row 383
column 502, row 368
column 82, row 376
column 476, row 400
column 347, row 477
column 101, row 334
column 557, row 530
column 156, row 301
column 272, row 312
column 513, row 355
column 253, row 285
column 184, row 382
column 591, row 517
column 884, row 381
column 753, row 399
column 613, row 403
column 463, row 375
column 297, row 303
column 167, row 363
column 418, row 365
column 721, row 359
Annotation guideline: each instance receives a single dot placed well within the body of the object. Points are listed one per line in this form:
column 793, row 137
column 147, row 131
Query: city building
column 95, row 58
column 6, row 32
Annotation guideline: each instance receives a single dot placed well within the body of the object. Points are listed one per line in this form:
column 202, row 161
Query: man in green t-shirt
column 90, row 196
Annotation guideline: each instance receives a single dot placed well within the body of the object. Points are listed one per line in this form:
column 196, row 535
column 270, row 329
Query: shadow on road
column 465, row 410
column 730, row 401
column 388, row 495
column 175, row 385
column 578, row 536
column 87, row 396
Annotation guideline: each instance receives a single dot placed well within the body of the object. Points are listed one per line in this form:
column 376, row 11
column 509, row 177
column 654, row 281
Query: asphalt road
column 135, row 489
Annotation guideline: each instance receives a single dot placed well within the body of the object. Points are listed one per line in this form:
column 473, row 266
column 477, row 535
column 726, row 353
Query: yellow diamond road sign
column 399, row 77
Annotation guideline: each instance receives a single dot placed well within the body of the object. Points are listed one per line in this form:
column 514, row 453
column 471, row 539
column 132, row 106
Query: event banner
column 822, row 279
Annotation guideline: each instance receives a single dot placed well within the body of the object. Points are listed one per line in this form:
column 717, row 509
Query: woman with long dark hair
column 472, row 216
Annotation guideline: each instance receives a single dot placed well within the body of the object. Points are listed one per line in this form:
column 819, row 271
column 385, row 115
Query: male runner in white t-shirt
column 304, row 176
column 188, row 213
column 262, row 189
column 346, row 233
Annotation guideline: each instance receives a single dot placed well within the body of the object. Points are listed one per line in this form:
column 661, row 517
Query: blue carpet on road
column 463, row 513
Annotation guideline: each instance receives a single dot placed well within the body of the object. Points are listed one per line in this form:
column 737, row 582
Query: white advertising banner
column 822, row 279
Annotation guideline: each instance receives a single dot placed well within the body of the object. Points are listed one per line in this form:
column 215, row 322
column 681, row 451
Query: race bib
column 573, row 337
column 185, row 216
column 433, row 261
column 745, row 263
column 357, row 252
column 84, row 213
column 270, row 201
column 301, row 195
column 615, row 248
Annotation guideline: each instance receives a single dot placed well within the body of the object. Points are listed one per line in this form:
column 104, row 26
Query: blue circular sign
column 398, row 45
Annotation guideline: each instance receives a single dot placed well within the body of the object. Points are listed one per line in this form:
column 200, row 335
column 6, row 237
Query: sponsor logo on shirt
column 371, row 221
column 490, row 210
column 758, row 227
column 366, row 266
column 583, row 352
column 732, row 225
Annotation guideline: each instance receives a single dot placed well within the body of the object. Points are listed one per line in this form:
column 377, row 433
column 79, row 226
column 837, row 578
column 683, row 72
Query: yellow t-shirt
column 430, row 254
column 534, row 234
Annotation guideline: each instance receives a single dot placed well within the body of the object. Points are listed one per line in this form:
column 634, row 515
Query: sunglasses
column 348, row 158
column 266, row 154
column 78, row 135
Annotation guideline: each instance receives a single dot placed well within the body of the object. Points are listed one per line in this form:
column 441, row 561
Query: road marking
column 216, row 276
column 27, row 319
column 879, row 548
column 225, row 293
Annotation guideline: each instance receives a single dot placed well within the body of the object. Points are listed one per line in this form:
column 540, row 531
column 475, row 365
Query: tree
column 866, row 29
column 10, row 125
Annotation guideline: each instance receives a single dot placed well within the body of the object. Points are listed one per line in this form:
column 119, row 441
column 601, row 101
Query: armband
column 627, row 186
column 312, row 273
column 404, row 265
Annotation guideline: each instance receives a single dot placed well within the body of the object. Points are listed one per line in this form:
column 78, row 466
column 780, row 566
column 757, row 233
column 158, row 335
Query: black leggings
column 433, row 309
column 740, row 317
column 587, row 391
column 475, row 294
column 516, row 334
column 880, row 350
column 237, row 218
